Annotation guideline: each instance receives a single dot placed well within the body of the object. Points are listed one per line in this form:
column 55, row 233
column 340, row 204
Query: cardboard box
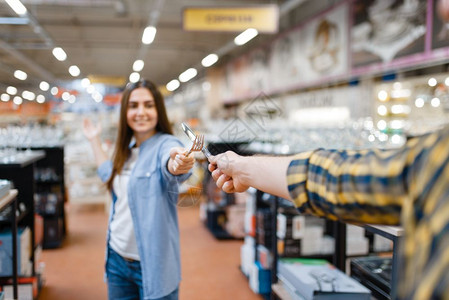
column 23, row 251
column 315, row 279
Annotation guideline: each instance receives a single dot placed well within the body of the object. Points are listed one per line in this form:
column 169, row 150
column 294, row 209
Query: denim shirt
column 152, row 199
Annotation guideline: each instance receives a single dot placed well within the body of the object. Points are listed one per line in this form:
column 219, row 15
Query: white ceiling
column 103, row 38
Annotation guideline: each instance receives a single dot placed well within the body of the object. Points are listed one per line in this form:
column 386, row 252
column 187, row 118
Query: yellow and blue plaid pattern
column 407, row 186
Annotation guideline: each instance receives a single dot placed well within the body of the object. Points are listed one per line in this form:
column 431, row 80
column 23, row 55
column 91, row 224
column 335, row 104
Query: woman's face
column 142, row 114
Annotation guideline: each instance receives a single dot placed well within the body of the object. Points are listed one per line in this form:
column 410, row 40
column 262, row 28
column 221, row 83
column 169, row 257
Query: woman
column 143, row 260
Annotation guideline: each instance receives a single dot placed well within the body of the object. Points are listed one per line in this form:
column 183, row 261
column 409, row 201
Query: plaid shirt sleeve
column 408, row 186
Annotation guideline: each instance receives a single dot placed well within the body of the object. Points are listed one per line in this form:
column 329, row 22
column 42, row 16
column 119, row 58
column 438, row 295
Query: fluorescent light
column 187, row 75
column 21, row 75
column 148, row 35
column 44, row 86
column 134, row 77
column 85, row 82
column 59, row 53
column 13, row 21
column 17, row 100
column 5, row 97
column 400, row 109
column 209, row 60
column 40, row 99
column 17, row 6
column 245, row 36
column 11, row 90
column 74, row 71
column 173, row 85
column 401, row 93
column 138, row 65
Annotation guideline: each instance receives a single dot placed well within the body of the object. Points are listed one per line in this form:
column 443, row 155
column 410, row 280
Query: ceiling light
column 74, row 71
column 5, row 97
column 44, row 86
column 134, row 77
column 17, row 100
column 97, row 97
column 40, row 99
column 382, row 110
column 59, row 53
column 54, row 90
column 148, row 35
column 245, row 36
column 187, row 75
column 65, row 96
column 11, row 90
column 382, row 95
column 209, row 60
column 90, row 89
column 382, row 125
column 17, row 6
column 432, row 82
column 206, row 86
column 173, row 85
column 138, row 65
column 72, row 99
column 85, row 82
column 435, row 102
column 419, row 102
column 21, row 75
column 28, row 95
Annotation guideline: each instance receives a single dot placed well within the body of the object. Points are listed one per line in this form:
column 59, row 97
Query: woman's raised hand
column 91, row 130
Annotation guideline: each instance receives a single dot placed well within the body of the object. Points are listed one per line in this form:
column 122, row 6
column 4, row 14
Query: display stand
column 19, row 169
column 50, row 186
column 10, row 200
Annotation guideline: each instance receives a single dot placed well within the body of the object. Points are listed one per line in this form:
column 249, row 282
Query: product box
column 290, row 226
column 315, row 279
column 265, row 256
column 260, row 279
column 23, row 251
column 247, row 256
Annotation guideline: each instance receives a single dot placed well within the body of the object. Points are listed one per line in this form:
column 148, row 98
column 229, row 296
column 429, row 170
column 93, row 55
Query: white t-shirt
column 123, row 239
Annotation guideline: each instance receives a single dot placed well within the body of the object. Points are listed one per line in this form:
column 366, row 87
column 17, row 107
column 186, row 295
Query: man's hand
column 228, row 172
column 179, row 163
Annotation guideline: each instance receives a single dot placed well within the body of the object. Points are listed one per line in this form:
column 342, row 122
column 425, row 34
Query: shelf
column 280, row 292
column 48, row 181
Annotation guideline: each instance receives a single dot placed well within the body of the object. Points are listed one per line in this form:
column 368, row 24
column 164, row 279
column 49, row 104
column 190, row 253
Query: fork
column 197, row 145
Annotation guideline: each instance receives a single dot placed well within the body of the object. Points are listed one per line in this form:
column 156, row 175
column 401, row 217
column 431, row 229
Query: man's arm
column 235, row 173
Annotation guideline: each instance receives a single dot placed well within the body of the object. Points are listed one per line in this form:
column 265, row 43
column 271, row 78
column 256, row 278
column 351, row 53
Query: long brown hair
column 125, row 133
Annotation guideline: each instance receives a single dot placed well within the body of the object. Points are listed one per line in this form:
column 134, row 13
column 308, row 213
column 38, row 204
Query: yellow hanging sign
column 263, row 18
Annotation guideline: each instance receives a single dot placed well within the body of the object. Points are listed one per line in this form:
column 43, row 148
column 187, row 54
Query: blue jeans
column 124, row 279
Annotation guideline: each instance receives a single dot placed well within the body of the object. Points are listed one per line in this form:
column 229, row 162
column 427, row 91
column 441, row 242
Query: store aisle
column 75, row 271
